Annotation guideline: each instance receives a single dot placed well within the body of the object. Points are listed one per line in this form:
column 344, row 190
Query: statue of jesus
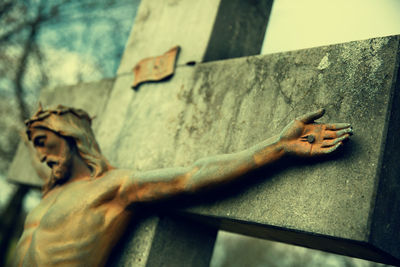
column 84, row 209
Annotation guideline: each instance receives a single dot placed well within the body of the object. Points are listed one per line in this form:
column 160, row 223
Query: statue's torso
column 75, row 224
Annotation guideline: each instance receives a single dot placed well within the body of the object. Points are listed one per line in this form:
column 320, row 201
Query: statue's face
column 55, row 151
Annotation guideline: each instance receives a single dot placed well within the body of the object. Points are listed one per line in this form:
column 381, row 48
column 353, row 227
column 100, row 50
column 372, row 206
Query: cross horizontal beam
column 227, row 106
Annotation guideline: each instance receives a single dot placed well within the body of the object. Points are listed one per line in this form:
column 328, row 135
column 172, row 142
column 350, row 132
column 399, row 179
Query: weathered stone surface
column 135, row 247
column 140, row 246
column 179, row 242
column 227, row 106
column 164, row 241
column 239, row 29
column 160, row 25
column 91, row 97
column 205, row 30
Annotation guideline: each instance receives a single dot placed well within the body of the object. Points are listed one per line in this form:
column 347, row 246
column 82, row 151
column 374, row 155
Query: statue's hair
column 71, row 123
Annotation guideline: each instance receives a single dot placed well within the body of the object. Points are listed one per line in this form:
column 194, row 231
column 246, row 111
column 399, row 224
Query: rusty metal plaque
column 155, row 68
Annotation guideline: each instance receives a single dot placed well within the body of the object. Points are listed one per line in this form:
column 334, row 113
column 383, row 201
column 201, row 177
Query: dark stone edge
column 385, row 218
column 341, row 246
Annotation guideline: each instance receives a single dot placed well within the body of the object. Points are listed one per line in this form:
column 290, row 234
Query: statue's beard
column 60, row 170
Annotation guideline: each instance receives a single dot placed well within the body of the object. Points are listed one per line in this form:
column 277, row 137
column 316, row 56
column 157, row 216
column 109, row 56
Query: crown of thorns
column 41, row 114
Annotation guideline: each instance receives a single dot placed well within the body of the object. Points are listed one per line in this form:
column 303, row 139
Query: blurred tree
column 32, row 31
column 46, row 43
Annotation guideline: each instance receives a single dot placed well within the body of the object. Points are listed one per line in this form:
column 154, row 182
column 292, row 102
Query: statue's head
column 57, row 134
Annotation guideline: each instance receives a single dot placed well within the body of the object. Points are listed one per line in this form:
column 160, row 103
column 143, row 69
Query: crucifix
column 87, row 203
column 226, row 103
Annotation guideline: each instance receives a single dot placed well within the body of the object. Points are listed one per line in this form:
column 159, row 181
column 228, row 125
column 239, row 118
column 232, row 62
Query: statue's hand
column 303, row 137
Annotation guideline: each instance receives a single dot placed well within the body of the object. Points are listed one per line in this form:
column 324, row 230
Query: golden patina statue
column 83, row 212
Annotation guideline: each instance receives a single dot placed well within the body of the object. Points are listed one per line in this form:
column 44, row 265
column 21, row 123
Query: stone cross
column 347, row 204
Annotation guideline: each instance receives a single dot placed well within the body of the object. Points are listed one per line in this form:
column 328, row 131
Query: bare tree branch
column 5, row 7
column 39, row 56
column 21, row 70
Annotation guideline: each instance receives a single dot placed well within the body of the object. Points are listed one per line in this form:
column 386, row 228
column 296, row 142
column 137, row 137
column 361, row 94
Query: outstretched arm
column 301, row 137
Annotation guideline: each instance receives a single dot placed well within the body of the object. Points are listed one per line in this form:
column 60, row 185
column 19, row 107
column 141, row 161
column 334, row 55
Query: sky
column 298, row 24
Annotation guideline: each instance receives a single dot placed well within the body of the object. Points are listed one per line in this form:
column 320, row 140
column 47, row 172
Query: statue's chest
column 68, row 208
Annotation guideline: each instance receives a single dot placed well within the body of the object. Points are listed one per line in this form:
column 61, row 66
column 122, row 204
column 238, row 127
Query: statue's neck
column 79, row 169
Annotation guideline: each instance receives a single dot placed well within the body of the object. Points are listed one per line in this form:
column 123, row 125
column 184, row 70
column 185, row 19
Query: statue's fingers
column 330, row 134
column 328, row 150
column 335, row 134
column 336, row 126
column 312, row 116
column 333, row 142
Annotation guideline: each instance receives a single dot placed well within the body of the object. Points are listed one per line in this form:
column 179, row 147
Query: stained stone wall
column 226, row 106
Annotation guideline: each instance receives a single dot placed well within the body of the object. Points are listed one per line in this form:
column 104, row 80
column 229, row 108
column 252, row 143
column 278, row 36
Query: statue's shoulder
column 116, row 175
column 119, row 172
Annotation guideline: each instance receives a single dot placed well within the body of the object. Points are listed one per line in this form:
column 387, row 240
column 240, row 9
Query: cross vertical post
column 206, row 31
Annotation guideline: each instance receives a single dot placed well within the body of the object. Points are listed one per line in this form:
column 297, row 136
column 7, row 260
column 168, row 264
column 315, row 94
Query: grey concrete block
column 205, row 30
column 222, row 107
column 134, row 248
column 348, row 197
column 179, row 242
column 164, row 241
column 238, row 30
column 161, row 25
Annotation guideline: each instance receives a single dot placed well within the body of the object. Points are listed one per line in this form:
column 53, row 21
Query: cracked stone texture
column 226, row 106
